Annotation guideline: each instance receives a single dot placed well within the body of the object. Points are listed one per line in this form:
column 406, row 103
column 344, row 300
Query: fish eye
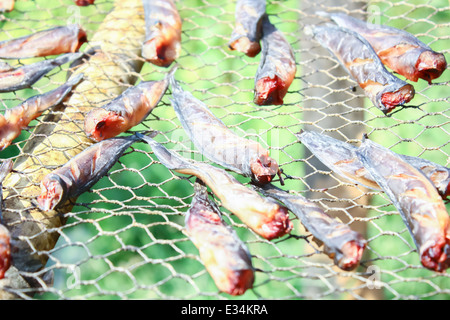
column 100, row 125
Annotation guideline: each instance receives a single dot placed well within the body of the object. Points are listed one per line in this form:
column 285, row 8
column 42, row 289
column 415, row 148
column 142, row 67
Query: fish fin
column 170, row 74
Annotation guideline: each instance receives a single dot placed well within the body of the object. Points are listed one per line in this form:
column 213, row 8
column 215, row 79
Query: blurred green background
column 125, row 238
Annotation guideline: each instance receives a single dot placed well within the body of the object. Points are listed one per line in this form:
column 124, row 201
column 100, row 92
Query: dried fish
column 264, row 216
column 80, row 173
column 224, row 255
column 126, row 111
column 355, row 54
column 163, row 32
column 399, row 50
column 419, row 204
column 340, row 242
column 276, row 69
column 25, row 76
column 54, row 41
column 19, row 117
column 247, row 32
column 341, row 157
column 118, row 40
column 218, row 143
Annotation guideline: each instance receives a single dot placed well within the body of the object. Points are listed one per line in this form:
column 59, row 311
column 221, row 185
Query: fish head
column 269, row 91
column 390, row 100
column 245, row 45
column 264, row 169
column 162, row 49
column 53, row 192
column 101, row 124
column 351, row 255
column 276, row 223
column 430, row 65
column 232, row 282
column 435, row 253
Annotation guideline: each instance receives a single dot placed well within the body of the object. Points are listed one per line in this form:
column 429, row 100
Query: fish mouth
column 430, row 65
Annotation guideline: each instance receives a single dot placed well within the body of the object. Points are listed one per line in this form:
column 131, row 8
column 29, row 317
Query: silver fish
column 25, row 76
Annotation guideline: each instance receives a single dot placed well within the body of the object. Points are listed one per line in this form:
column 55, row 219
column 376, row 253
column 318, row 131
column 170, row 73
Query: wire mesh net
column 125, row 238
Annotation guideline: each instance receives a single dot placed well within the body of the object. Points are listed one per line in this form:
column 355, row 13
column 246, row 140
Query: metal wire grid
column 125, row 238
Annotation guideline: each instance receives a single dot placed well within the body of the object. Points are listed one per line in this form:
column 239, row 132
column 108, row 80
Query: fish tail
column 176, row 88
